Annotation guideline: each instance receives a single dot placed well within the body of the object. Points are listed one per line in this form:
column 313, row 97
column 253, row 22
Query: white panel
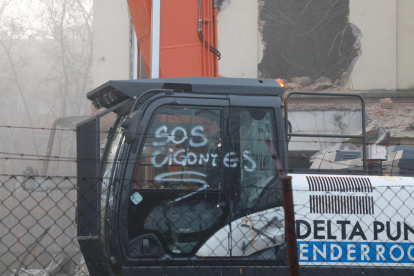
column 217, row 245
column 257, row 232
column 352, row 227
column 250, row 234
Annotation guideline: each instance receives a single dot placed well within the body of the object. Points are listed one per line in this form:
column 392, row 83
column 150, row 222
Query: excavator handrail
column 363, row 136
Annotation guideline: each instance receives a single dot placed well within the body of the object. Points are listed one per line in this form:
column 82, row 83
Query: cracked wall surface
column 222, row 4
column 306, row 38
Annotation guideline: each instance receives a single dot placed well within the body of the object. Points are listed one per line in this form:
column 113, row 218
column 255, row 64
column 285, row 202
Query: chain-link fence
column 344, row 224
column 38, row 226
column 186, row 198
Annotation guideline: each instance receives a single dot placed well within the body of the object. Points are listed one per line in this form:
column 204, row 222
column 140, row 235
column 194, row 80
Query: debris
column 323, row 79
column 321, row 86
column 302, row 80
column 261, row 5
column 293, row 86
column 344, row 78
column 379, row 110
column 386, row 103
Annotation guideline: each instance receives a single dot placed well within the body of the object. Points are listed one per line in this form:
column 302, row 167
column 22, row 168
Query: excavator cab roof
column 114, row 92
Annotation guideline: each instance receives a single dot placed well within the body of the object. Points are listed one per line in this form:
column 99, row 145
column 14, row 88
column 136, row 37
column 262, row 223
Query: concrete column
column 238, row 39
column 111, row 41
column 405, row 44
column 376, row 69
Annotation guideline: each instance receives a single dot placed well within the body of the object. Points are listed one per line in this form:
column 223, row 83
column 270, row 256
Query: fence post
column 290, row 231
column 290, row 224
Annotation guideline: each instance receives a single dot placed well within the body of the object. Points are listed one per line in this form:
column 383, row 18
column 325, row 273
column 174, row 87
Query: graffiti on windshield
column 171, row 151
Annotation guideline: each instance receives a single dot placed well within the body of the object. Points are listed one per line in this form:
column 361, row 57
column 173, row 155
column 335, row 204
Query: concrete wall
column 238, row 39
column 111, row 41
column 387, row 60
column 317, row 121
column 376, row 67
column 405, row 44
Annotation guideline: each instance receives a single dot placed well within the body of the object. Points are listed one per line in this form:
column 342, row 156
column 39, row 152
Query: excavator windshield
column 196, row 164
column 182, row 150
column 179, row 174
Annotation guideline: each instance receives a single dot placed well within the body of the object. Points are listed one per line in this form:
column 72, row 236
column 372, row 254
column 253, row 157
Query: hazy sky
column 28, row 12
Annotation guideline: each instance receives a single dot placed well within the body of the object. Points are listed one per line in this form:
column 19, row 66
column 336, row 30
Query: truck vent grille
column 339, row 184
column 328, row 204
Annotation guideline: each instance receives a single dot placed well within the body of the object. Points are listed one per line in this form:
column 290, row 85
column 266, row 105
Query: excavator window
column 258, row 169
column 255, row 173
column 109, row 169
column 179, row 179
column 196, row 165
column 182, row 150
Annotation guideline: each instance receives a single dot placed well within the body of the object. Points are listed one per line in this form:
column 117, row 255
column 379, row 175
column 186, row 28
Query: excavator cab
column 184, row 174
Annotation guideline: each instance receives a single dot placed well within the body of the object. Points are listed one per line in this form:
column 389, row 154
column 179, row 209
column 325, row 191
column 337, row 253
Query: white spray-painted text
column 184, row 157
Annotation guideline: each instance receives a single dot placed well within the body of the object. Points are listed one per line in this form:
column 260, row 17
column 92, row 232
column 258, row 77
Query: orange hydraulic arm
column 182, row 53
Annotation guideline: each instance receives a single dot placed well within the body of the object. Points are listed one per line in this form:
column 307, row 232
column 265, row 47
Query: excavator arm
column 188, row 36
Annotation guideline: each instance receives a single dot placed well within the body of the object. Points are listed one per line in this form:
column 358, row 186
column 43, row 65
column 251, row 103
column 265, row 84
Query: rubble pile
column 390, row 116
column 321, row 84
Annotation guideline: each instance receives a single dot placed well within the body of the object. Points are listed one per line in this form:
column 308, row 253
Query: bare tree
column 47, row 59
column 45, row 72
column 3, row 5
column 11, row 64
column 69, row 24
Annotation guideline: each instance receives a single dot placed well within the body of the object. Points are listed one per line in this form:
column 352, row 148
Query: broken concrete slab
column 370, row 133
